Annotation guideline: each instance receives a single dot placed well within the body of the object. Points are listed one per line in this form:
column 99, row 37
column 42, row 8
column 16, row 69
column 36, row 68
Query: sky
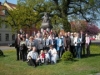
column 10, row 1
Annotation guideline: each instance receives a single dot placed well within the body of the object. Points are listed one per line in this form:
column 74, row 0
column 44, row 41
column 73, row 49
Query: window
column 7, row 37
column 13, row 36
column 0, row 37
column 6, row 26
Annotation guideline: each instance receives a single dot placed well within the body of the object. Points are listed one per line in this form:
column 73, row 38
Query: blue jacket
column 59, row 43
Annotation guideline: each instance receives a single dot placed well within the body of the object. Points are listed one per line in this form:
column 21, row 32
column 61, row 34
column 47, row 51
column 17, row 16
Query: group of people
column 48, row 47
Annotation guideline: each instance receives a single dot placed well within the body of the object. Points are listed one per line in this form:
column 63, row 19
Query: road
column 6, row 48
column 95, row 42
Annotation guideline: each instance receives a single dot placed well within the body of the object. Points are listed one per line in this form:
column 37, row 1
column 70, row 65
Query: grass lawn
column 84, row 66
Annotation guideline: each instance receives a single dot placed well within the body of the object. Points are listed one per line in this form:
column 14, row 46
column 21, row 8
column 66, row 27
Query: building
column 6, row 35
column 9, row 6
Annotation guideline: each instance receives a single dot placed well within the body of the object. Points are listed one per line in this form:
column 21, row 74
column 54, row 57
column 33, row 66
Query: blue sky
column 11, row 1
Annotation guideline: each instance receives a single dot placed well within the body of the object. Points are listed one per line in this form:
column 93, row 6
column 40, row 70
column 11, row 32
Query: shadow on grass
column 4, row 56
column 73, row 60
column 91, row 55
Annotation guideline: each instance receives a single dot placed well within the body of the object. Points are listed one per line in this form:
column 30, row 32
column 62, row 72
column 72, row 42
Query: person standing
column 87, row 44
column 72, row 44
column 82, row 35
column 60, row 44
column 23, row 49
column 77, row 44
column 39, row 41
column 17, row 45
column 45, row 43
column 67, row 41
column 27, row 37
column 31, row 43
column 78, row 51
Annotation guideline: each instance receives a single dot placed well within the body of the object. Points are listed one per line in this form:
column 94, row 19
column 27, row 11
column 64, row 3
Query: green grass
column 84, row 66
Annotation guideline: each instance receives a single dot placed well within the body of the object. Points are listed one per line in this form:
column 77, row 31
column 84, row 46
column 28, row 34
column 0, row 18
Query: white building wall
column 3, row 32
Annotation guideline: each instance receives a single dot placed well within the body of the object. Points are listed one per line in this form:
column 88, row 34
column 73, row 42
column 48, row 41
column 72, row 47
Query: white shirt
column 22, row 42
column 32, row 54
column 75, row 41
column 53, row 51
column 54, row 55
column 47, row 56
column 87, row 40
column 72, row 40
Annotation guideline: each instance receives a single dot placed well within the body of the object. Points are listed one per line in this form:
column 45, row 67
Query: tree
column 23, row 16
column 92, row 29
column 65, row 10
column 68, row 9
column 78, row 25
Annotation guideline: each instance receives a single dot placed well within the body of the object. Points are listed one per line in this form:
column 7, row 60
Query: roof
column 8, row 6
column 11, row 5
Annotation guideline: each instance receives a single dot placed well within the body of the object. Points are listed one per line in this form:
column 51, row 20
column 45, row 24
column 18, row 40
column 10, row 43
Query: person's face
column 18, row 35
column 45, row 51
column 72, row 34
column 31, row 39
column 65, row 34
column 68, row 33
column 34, row 49
column 21, row 30
column 86, row 35
column 38, row 31
column 61, row 33
column 21, row 36
column 27, row 36
column 38, row 35
column 51, row 47
column 75, row 34
column 81, row 32
column 41, row 51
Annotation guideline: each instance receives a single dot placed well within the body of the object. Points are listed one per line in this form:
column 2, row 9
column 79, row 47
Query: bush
column 67, row 56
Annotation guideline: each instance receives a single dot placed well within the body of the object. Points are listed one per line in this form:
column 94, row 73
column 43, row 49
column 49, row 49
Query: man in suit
column 67, row 41
column 17, row 45
column 82, row 35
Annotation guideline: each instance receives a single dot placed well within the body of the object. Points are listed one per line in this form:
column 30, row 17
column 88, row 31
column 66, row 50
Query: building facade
column 6, row 35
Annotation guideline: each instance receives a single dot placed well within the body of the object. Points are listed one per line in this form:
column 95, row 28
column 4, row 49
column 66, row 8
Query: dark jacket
column 17, row 43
